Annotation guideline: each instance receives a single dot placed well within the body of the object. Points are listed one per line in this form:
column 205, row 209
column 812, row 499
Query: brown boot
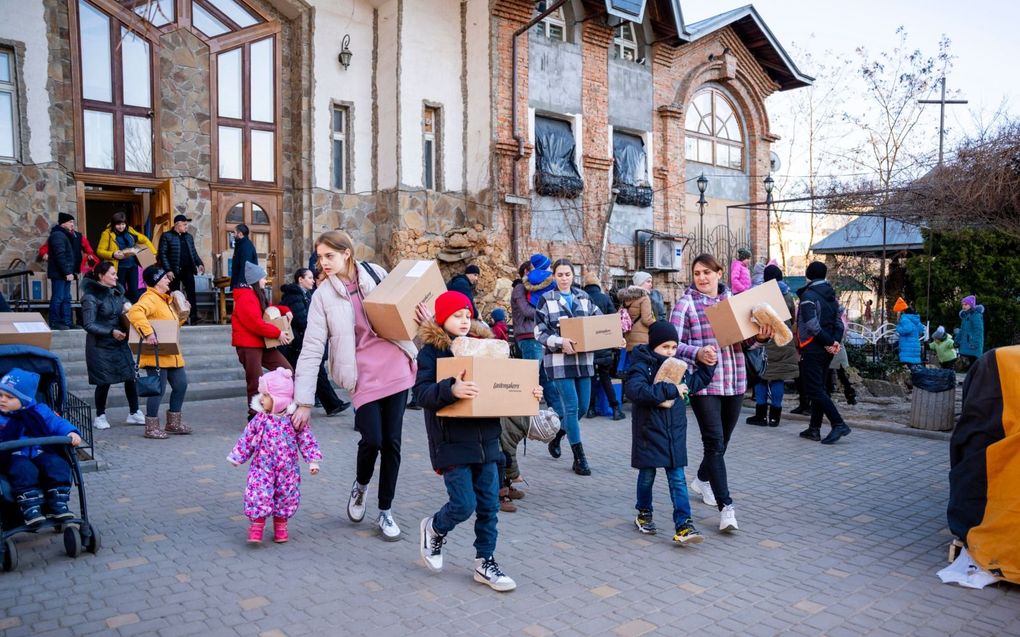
column 152, row 428
column 174, row 424
column 505, row 503
column 514, row 494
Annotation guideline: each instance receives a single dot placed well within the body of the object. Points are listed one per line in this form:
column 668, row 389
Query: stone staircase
column 213, row 370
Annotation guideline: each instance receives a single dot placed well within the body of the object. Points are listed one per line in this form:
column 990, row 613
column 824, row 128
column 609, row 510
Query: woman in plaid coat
column 717, row 407
column 569, row 371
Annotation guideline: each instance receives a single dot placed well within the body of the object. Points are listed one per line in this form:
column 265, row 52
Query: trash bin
column 933, row 401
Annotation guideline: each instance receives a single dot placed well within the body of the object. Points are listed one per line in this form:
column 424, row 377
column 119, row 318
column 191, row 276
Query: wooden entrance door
column 261, row 214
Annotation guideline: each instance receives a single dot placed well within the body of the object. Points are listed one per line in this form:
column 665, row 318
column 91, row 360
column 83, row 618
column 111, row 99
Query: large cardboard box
column 505, row 386
column 24, row 328
column 168, row 334
column 391, row 305
column 731, row 319
column 592, row 333
column 145, row 257
column 283, row 323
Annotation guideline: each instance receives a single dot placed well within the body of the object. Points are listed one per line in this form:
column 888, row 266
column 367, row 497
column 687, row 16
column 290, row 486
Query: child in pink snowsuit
column 274, row 478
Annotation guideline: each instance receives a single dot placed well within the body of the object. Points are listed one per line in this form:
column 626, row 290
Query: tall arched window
column 714, row 134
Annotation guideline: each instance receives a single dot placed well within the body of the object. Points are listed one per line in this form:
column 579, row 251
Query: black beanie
column 152, row 274
column 773, row 273
column 660, row 332
column 63, row 217
column 816, row 271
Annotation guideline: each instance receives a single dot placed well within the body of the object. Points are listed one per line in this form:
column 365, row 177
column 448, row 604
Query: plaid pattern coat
column 688, row 317
column 551, row 308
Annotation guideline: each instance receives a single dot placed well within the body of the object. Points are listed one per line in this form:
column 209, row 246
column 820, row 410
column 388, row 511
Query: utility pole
column 942, row 113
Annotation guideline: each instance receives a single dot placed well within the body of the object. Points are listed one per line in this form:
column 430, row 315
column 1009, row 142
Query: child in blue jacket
column 40, row 478
column 659, row 434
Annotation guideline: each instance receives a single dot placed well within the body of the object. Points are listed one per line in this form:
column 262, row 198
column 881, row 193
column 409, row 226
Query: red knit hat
column 449, row 303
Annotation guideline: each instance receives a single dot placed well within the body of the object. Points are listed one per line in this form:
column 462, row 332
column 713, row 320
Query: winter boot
column 255, row 531
column 759, row 416
column 152, row 428
column 592, row 413
column 515, row 494
column 775, row 415
column 174, row 424
column 31, row 507
column 56, row 503
column 581, row 467
column 554, row 444
column 812, row 433
column 851, row 394
column 618, row 413
column 803, row 408
column 506, row 504
column 280, row 530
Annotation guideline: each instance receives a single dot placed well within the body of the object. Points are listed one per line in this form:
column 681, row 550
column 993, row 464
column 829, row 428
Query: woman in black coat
column 107, row 355
column 298, row 297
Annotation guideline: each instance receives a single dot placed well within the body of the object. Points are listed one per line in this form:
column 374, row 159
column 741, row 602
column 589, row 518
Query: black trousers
column 717, row 417
column 186, row 283
column 604, row 378
column 381, row 424
column 127, row 276
column 813, row 369
column 324, row 392
column 103, row 393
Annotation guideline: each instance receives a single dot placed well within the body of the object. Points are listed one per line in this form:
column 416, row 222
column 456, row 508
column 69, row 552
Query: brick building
column 389, row 118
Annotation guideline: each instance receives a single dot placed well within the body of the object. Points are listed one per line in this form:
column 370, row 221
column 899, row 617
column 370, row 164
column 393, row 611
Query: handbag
column 145, row 385
column 757, row 362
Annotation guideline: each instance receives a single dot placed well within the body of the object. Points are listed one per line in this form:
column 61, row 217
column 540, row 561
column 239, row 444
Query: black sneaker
column 687, row 534
column 811, row 434
column 338, row 409
column 644, row 522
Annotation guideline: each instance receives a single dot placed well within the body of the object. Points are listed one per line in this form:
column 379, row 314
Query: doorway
column 260, row 213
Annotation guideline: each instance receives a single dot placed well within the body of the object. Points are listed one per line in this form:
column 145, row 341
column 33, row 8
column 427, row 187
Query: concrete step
column 216, row 360
column 79, row 384
column 216, row 390
column 195, row 341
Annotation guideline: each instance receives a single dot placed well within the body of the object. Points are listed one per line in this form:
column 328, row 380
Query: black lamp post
column 702, row 185
column 769, row 183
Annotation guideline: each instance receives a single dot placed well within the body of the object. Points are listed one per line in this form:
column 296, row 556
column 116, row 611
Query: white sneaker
column 487, row 572
column 389, row 528
column 137, row 418
column 356, row 503
column 704, row 489
column 430, row 545
column 728, row 519
column 101, row 422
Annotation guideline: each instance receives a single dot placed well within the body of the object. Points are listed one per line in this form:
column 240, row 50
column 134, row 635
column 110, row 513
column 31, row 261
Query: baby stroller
column 78, row 532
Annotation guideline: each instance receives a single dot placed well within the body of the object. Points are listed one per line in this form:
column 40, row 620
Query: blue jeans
column 766, row 388
column 47, row 470
column 178, row 380
column 532, row 350
column 473, row 488
column 60, row 302
column 574, row 395
column 677, row 493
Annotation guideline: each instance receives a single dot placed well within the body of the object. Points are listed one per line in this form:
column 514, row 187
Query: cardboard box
column 25, row 328
column 731, row 319
column 391, row 305
column 168, row 334
column 283, row 323
column 592, row 333
column 145, row 257
column 505, row 386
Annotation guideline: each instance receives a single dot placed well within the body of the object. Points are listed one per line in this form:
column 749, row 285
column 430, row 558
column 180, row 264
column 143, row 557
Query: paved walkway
column 841, row 540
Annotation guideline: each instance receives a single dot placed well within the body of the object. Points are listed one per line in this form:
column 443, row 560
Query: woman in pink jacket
column 377, row 372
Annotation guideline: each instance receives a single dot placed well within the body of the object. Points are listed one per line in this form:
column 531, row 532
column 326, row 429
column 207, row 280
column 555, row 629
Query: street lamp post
column 769, row 183
column 702, row 186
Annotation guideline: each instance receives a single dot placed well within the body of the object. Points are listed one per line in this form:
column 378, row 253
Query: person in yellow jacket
column 154, row 305
column 117, row 245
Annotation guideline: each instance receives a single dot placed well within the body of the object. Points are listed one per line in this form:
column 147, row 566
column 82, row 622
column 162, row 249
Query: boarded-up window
column 630, row 170
column 556, row 174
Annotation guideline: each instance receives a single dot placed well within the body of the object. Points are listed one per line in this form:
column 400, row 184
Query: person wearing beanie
column 499, row 327
column 770, row 387
column 540, row 262
column 911, row 331
column 536, row 279
column 772, row 272
column 177, row 254
column 377, row 372
column 636, row 300
column 244, row 254
column 63, row 264
column 820, row 334
column 465, row 451
column 900, row 305
column 944, row 347
column 155, row 305
column 740, row 273
column 971, row 335
column 659, row 432
column 250, row 329
column 605, row 359
column 465, row 284
column 273, row 445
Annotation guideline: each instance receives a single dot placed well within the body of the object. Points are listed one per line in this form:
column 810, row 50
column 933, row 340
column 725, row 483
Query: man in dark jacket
column 465, row 284
column 819, row 332
column 605, row 359
column 244, row 252
column 177, row 254
column 62, row 267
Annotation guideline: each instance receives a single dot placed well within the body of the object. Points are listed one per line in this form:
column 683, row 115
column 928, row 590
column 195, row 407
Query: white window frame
column 344, row 137
column 431, row 147
column 714, row 139
column 626, row 48
column 554, row 26
column 11, row 88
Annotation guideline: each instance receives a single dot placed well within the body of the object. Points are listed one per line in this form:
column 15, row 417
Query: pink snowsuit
column 740, row 277
column 274, row 477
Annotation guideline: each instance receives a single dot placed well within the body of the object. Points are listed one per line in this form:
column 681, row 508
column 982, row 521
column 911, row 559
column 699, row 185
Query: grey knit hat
column 253, row 273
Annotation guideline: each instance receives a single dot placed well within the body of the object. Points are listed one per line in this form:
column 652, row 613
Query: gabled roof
column 863, row 236
column 758, row 39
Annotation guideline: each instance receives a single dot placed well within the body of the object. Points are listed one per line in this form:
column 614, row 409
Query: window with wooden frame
column 339, row 136
column 554, row 26
column 625, row 43
column 116, row 94
column 431, row 151
column 9, row 117
column 713, row 131
column 246, row 112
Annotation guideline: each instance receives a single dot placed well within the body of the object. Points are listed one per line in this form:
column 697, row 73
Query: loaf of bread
column 672, row 370
column 480, row 347
column 764, row 314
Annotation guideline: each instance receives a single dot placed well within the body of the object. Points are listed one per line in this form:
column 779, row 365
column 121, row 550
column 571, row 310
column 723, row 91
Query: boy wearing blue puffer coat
column 40, row 478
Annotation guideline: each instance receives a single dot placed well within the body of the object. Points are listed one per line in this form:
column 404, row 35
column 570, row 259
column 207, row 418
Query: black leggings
column 102, row 391
column 717, row 416
column 381, row 424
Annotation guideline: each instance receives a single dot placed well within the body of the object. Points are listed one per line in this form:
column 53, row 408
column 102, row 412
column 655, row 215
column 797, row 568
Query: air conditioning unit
column 663, row 254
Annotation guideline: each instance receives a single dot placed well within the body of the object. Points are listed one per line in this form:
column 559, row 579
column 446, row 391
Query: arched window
column 714, row 135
